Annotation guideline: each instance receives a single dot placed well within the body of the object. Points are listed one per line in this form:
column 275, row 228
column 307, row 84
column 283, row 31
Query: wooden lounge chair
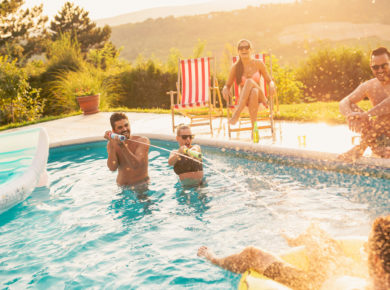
column 196, row 88
column 265, row 118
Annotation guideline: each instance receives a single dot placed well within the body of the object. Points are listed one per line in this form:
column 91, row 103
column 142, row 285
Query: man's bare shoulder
column 371, row 83
column 142, row 139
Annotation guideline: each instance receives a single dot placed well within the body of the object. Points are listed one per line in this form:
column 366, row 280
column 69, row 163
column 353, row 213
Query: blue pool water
column 83, row 231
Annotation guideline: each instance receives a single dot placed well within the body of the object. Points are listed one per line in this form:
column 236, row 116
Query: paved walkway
column 311, row 136
column 313, row 141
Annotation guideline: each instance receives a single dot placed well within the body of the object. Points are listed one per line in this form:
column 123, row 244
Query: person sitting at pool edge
column 189, row 168
column 129, row 157
column 378, row 262
column 374, row 124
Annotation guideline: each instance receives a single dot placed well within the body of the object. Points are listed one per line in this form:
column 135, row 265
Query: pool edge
column 325, row 159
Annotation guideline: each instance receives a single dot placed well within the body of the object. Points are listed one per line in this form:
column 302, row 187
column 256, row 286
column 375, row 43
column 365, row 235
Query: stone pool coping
column 367, row 166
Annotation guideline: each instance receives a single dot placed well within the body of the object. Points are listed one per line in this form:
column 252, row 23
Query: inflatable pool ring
column 23, row 159
column 297, row 257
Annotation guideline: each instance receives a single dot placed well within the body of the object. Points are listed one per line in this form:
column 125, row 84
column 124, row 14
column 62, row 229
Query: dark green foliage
column 62, row 55
column 145, row 86
column 331, row 74
column 18, row 101
column 22, row 32
column 76, row 22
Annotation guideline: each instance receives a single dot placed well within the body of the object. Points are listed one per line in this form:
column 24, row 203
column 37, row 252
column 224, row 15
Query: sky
column 99, row 9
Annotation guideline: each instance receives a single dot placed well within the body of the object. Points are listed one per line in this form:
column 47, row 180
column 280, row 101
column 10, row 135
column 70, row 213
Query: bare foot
column 264, row 101
column 204, row 251
column 352, row 155
column 234, row 119
column 290, row 241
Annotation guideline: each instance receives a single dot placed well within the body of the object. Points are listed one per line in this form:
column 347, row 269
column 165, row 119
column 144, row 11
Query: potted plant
column 88, row 100
column 81, row 87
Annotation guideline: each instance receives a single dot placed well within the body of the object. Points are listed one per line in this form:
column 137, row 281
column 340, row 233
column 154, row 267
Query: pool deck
column 307, row 140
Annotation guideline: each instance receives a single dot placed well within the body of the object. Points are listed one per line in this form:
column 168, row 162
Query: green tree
column 330, row 74
column 105, row 57
column 289, row 89
column 18, row 101
column 173, row 60
column 75, row 21
column 22, row 31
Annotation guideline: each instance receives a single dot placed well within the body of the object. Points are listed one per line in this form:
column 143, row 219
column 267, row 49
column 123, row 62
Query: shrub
column 145, row 86
column 18, row 101
column 289, row 89
column 71, row 84
column 331, row 74
column 62, row 56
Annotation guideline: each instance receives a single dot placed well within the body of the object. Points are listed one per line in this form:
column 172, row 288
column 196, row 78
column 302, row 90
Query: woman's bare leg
column 244, row 95
column 249, row 258
column 253, row 105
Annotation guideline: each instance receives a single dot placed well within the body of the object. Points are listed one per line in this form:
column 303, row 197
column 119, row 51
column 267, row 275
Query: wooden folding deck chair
column 265, row 119
column 195, row 87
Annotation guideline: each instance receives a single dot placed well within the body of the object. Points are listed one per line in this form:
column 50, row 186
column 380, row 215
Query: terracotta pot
column 89, row 104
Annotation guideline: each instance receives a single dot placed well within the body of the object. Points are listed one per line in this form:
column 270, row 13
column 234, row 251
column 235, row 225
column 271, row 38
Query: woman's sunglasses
column 377, row 66
column 241, row 47
column 184, row 137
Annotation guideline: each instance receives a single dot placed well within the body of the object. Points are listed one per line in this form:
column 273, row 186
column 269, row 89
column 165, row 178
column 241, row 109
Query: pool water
column 83, row 231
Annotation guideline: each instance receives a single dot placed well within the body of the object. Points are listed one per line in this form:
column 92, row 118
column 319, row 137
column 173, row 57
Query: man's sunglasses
column 241, row 47
column 184, row 137
column 382, row 66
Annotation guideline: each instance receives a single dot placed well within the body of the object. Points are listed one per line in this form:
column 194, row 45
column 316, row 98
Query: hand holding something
column 226, row 93
column 182, row 149
column 272, row 91
column 357, row 121
column 107, row 135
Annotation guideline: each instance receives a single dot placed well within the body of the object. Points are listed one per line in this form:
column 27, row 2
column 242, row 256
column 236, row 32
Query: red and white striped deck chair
column 264, row 118
column 196, row 88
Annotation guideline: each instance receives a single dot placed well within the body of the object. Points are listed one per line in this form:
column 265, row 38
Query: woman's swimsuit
column 256, row 77
column 187, row 164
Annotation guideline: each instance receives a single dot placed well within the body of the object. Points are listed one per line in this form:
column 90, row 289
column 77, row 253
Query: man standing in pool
column 374, row 124
column 129, row 156
column 187, row 160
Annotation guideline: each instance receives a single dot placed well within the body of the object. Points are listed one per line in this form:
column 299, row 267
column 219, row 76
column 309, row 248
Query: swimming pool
column 83, row 231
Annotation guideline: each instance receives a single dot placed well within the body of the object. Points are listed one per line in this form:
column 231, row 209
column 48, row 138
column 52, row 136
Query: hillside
column 290, row 30
column 183, row 10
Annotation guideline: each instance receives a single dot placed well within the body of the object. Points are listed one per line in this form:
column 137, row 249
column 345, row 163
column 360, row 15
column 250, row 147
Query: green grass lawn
column 311, row 112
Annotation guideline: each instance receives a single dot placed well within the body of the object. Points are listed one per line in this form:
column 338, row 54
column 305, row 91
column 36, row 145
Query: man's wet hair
column 181, row 127
column 117, row 117
column 379, row 51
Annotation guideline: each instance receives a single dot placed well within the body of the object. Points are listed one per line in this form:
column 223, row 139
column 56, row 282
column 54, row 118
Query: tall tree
column 21, row 31
column 75, row 21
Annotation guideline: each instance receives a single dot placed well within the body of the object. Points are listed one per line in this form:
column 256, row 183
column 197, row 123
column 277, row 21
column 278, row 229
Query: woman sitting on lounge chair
column 247, row 72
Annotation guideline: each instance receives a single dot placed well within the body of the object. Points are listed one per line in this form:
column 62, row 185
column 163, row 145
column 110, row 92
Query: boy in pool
column 329, row 267
column 189, row 167
column 129, row 156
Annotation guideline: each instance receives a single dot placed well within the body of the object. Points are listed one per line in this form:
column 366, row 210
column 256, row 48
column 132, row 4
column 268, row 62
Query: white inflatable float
column 23, row 159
